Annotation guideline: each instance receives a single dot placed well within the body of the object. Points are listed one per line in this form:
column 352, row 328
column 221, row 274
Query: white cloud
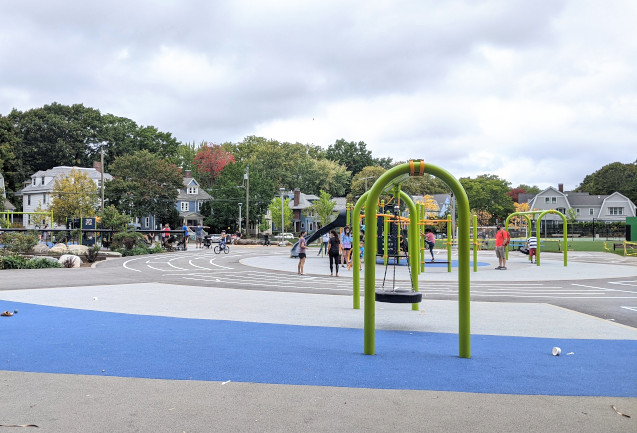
column 537, row 92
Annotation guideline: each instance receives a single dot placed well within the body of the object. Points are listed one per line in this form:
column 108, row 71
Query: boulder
column 73, row 259
column 78, row 250
column 58, row 248
column 40, row 249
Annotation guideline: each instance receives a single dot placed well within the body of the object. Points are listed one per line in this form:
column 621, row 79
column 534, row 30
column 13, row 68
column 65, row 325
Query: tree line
column 148, row 167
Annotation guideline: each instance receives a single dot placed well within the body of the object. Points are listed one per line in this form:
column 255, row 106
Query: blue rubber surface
column 62, row 340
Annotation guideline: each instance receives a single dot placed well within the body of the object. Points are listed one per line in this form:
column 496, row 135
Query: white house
column 37, row 192
column 603, row 208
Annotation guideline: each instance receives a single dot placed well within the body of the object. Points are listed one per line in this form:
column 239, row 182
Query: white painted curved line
column 200, row 267
column 131, row 260
column 214, row 264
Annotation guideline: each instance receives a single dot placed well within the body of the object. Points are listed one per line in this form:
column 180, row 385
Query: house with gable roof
column 38, row 191
column 613, row 207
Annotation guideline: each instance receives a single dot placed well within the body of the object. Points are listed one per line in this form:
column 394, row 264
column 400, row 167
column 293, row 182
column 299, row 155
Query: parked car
column 286, row 236
column 215, row 238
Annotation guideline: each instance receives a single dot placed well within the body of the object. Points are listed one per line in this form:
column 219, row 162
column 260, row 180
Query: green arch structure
column 414, row 168
column 537, row 229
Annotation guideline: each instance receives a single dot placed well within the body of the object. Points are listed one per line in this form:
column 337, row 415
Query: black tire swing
column 397, row 295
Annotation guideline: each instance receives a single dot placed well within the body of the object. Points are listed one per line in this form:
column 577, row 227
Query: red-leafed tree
column 210, row 161
column 515, row 193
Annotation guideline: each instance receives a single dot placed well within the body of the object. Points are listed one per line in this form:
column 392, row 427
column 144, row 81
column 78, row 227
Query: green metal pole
column 412, row 240
column 475, row 243
column 385, row 236
column 449, row 242
column 421, row 238
column 356, row 250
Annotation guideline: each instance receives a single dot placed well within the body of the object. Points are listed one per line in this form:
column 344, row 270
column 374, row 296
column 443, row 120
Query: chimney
column 560, row 187
column 188, row 173
column 297, row 196
column 97, row 166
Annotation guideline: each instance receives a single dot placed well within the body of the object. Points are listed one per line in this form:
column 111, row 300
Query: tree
column 614, row 177
column 431, row 207
column 75, row 135
column 143, row 184
column 489, row 193
column 519, row 221
column 111, row 218
column 229, row 190
column 73, row 196
column 324, row 207
column 275, row 210
column 210, row 160
column 363, row 181
column 354, row 156
column 522, row 189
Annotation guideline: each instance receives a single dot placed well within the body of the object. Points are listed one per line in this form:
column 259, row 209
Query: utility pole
column 247, row 179
column 102, row 178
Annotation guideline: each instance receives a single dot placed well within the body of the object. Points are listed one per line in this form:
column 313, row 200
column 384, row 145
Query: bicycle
column 218, row 248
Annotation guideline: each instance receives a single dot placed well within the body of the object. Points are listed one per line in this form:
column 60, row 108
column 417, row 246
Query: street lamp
column 240, row 204
column 282, row 214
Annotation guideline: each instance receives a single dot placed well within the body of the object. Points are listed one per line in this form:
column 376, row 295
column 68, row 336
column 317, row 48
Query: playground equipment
column 415, row 168
column 537, row 230
column 396, row 295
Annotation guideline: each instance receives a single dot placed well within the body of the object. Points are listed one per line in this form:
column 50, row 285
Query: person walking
column 531, row 244
column 346, row 245
column 302, row 252
column 324, row 240
column 502, row 238
column 333, row 249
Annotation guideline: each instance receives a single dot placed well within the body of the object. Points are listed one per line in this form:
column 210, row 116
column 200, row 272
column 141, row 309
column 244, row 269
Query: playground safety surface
column 164, row 357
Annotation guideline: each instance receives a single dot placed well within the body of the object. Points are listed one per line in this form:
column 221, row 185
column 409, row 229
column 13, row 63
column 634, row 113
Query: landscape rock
column 59, row 248
column 78, row 250
column 40, row 249
column 77, row 262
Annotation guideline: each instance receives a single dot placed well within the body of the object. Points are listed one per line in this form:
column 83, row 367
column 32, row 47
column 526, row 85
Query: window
column 192, row 190
column 547, row 199
column 42, row 180
column 185, row 206
column 615, row 210
column 561, row 209
column 577, row 210
column 33, row 181
column 591, row 211
column 553, row 199
column 44, row 198
column 147, row 222
column 28, row 201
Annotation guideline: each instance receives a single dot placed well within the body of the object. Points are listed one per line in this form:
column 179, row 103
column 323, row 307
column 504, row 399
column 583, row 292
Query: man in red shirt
column 502, row 239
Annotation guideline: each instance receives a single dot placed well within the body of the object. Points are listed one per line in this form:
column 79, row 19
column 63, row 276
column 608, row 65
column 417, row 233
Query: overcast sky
column 539, row 92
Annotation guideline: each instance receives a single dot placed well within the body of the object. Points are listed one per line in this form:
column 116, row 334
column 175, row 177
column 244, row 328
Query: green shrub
column 18, row 242
column 14, row 261
column 42, row 263
column 126, row 240
column 92, row 253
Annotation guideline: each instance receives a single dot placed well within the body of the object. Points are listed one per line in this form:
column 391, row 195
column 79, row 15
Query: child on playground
column 531, row 244
column 430, row 240
column 362, row 254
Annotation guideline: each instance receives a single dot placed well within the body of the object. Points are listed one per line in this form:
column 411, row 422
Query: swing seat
column 399, row 296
